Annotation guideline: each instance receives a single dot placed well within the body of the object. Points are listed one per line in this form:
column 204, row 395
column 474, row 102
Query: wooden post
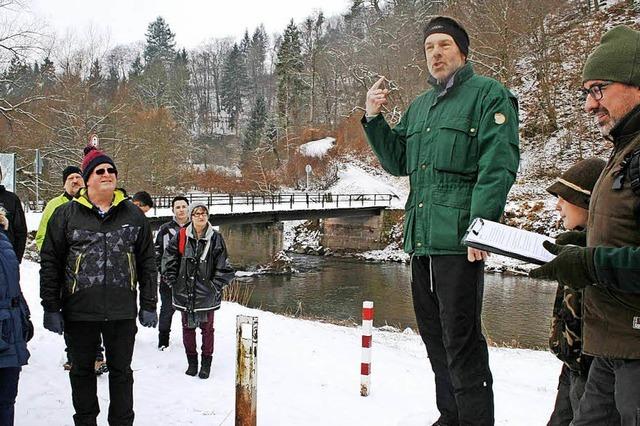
column 246, row 375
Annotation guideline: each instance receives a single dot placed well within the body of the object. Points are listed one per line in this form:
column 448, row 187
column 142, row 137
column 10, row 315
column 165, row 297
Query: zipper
column 104, row 284
column 75, row 273
column 131, row 272
column 430, row 273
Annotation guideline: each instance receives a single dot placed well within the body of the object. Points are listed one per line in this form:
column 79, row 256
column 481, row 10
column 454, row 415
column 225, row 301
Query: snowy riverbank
column 308, row 374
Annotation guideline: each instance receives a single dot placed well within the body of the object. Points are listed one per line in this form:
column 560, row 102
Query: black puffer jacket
column 17, row 231
column 197, row 277
column 91, row 266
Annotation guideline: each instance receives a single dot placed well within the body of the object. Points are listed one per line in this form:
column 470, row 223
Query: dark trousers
column 611, row 395
column 99, row 349
column 119, row 338
column 189, row 336
column 570, row 391
column 166, row 308
column 8, row 391
column 447, row 299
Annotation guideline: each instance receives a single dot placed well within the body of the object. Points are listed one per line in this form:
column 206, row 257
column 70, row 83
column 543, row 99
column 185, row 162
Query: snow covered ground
column 308, row 374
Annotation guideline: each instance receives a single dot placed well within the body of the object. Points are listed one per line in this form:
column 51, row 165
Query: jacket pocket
column 456, row 148
column 449, row 220
column 6, row 331
column 414, row 138
column 132, row 271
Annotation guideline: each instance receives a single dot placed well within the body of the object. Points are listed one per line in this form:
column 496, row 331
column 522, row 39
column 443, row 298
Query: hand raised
column 376, row 97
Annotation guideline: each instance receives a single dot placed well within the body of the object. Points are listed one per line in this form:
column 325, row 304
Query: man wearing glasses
column 97, row 252
column 608, row 268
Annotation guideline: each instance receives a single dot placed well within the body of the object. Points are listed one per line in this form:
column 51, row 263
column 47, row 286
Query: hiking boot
column 100, row 367
column 205, row 368
column 163, row 340
column 192, row 369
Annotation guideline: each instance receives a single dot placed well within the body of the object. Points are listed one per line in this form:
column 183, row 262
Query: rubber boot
column 192, row 369
column 205, row 368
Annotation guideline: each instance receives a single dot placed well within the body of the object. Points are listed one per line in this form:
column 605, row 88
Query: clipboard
column 507, row 241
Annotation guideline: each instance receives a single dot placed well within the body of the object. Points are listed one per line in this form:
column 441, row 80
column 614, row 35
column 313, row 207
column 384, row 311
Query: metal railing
column 290, row 201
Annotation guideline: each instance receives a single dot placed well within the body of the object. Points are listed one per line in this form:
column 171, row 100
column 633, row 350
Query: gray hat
column 197, row 204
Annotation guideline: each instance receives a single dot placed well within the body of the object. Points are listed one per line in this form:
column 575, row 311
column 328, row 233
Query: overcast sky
column 193, row 21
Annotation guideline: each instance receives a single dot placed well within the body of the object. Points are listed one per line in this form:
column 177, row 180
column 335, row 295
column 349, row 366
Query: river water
column 516, row 309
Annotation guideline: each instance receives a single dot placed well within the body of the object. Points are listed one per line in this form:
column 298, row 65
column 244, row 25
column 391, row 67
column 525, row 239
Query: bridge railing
column 244, row 202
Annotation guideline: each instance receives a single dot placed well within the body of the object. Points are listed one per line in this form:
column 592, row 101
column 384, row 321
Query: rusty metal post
column 246, row 374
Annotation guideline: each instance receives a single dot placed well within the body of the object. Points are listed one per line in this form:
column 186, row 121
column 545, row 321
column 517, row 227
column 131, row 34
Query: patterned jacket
column 92, row 265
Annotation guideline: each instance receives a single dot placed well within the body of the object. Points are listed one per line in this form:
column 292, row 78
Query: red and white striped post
column 365, row 365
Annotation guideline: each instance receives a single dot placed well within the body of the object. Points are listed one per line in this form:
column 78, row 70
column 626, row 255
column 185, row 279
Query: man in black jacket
column 180, row 208
column 17, row 231
column 97, row 252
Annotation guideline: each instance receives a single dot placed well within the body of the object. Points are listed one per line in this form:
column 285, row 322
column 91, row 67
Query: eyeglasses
column 110, row 170
column 199, row 214
column 595, row 91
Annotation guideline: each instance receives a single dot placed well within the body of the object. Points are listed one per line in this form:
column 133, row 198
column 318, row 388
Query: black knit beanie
column 446, row 25
column 69, row 170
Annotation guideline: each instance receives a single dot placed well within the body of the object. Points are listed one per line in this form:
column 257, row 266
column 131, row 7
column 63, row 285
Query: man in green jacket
column 458, row 143
column 608, row 268
column 72, row 182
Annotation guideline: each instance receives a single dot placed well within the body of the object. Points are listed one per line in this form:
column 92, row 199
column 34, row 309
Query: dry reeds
column 237, row 292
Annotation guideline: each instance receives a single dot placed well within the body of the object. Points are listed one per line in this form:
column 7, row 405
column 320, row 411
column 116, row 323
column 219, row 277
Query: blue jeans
column 8, row 391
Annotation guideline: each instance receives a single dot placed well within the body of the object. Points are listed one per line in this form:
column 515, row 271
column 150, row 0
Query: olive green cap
column 617, row 57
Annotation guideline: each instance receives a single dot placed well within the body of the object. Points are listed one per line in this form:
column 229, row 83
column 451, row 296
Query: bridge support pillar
column 354, row 233
column 252, row 244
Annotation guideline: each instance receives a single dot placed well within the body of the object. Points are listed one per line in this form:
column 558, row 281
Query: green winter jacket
column 459, row 147
column 51, row 206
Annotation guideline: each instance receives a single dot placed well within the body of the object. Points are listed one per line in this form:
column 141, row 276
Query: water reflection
column 516, row 309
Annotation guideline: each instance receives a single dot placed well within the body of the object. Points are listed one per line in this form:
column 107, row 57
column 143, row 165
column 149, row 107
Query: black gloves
column 573, row 266
column 27, row 329
column 54, row 322
column 148, row 318
column 576, row 238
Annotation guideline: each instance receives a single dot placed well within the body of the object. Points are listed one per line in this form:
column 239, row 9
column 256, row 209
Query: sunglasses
column 110, row 170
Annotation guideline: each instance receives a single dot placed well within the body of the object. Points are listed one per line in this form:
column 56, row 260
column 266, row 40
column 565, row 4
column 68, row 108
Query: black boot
column 192, row 369
column 163, row 340
column 205, row 368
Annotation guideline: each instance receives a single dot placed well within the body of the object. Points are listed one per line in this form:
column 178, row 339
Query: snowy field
column 308, row 374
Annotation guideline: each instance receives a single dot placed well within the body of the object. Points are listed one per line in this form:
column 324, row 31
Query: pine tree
column 289, row 69
column 160, row 42
column 95, row 77
column 256, row 126
column 136, row 68
column 233, row 85
column 256, row 56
